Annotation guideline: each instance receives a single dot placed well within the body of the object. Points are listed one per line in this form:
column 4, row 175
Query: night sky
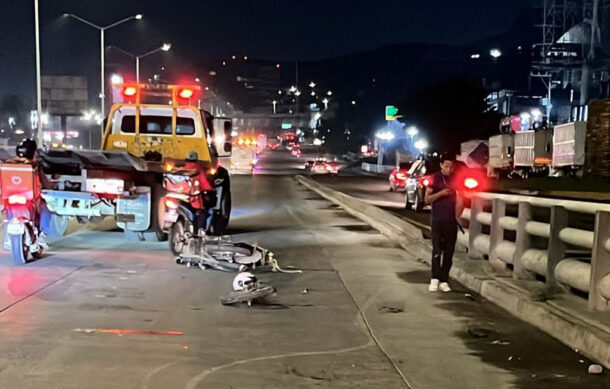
column 265, row 29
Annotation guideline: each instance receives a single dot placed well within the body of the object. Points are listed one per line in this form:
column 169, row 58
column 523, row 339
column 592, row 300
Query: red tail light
column 471, row 183
column 17, row 199
column 186, row 93
column 130, row 91
column 425, row 182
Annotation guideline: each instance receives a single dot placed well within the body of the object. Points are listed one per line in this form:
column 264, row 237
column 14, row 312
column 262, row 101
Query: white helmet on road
column 244, row 281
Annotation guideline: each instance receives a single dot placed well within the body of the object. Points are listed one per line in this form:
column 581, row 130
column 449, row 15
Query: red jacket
column 204, row 185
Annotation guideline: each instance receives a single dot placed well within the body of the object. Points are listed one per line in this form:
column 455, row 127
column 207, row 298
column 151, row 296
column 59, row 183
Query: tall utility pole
column 39, row 135
column 296, row 76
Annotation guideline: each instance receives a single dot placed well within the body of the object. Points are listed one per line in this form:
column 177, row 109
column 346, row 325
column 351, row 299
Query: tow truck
column 141, row 142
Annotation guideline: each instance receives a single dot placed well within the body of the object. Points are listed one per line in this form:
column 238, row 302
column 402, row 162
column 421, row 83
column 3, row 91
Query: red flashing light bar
column 134, row 92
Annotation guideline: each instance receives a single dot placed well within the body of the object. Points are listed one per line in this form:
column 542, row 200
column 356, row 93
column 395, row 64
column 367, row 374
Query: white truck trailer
column 533, row 152
column 569, row 148
column 501, row 149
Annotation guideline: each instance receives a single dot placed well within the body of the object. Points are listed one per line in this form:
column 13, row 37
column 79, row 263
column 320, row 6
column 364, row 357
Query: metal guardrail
column 532, row 248
column 374, row 168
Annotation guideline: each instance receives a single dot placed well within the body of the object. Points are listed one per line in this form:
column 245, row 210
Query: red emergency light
column 186, row 93
column 130, row 91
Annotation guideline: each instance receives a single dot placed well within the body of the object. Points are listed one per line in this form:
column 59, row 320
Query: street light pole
column 39, row 135
column 164, row 47
column 102, row 29
column 103, row 86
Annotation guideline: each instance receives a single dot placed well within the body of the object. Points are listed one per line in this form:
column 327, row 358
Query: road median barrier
column 564, row 317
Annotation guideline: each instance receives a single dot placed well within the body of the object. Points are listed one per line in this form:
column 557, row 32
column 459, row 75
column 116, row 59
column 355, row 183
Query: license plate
column 106, row 186
column 15, row 229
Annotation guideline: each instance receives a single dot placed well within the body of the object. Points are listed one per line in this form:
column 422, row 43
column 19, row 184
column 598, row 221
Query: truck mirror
column 228, row 147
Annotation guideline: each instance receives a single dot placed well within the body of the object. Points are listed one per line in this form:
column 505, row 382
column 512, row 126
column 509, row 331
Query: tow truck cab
column 171, row 130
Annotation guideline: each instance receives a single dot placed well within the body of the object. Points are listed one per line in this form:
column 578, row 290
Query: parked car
column 418, row 180
column 398, row 177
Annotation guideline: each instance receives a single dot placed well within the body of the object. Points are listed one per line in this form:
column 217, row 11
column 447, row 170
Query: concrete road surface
column 101, row 312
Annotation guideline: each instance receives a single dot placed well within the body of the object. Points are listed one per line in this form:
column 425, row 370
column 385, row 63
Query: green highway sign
column 390, row 112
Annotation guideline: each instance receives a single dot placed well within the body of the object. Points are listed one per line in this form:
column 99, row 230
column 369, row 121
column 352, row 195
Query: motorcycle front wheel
column 176, row 237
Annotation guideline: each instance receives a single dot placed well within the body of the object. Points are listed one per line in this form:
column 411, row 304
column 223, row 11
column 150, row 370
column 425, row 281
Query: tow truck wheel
column 176, row 237
column 19, row 249
column 158, row 209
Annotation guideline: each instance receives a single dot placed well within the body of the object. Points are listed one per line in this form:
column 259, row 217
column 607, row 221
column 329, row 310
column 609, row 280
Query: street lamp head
column 421, row 145
column 139, row 16
column 384, row 135
column 495, row 53
column 66, row 15
column 312, row 84
column 412, row 131
column 166, row 46
column 116, row 79
column 325, row 101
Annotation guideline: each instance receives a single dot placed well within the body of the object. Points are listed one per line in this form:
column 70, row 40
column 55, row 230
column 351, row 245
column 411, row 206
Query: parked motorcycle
column 21, row 202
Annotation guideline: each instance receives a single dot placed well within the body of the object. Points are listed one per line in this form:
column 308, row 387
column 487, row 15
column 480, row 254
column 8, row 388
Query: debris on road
column 500, row 342
column 276, row 267
column 469, row 297
column 389, row 308
column 595, row 369
column 305, row 291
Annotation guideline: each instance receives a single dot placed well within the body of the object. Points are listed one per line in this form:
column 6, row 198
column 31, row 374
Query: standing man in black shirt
column 446, row 208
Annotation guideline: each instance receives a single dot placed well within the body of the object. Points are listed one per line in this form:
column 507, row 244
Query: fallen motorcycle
column 221, row 254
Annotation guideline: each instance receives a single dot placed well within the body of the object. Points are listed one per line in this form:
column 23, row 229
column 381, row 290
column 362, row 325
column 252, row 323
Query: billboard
column 64, row 95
